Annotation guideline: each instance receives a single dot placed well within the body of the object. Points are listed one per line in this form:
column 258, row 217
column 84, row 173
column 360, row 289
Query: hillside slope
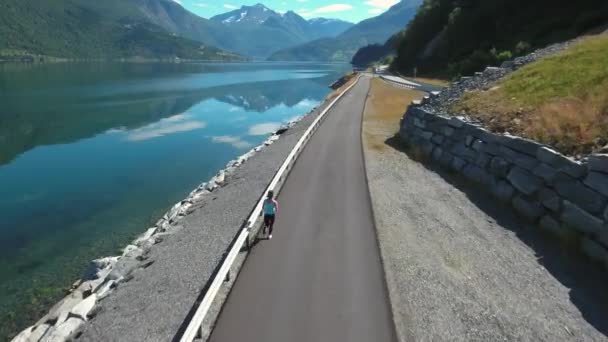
column 110, row 29
column 344, row 46
column 560, row 100
column 259, row 31
column 449, row 37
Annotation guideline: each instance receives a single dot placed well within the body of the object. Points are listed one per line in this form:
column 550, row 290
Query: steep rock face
column 344, row 46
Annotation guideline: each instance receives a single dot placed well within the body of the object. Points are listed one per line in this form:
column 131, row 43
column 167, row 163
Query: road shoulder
column 459, row 267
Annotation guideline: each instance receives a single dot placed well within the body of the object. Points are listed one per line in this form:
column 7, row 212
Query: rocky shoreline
column 68, row 318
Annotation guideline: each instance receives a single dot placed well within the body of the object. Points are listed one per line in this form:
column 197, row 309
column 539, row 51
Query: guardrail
column 408, row 85
column 195, row 326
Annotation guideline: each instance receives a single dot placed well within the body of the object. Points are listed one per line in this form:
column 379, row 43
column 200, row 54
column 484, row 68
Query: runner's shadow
column 586, row 280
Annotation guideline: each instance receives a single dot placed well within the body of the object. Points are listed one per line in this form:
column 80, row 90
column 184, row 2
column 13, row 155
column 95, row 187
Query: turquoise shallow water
column 92, row 154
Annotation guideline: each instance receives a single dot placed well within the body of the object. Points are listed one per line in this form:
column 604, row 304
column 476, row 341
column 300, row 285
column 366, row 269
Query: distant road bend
column 320, row 278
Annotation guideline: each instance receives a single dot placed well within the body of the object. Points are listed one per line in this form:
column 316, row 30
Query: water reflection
column 46, row 105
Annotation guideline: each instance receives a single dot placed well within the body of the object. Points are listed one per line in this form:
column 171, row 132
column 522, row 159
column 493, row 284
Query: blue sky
column 353, row 10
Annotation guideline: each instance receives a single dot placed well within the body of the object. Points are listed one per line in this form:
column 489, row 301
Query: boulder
column 499, row 167
column 124, row 267
column 447, row 131
column 606, row 213
column 24, row 336
column 211, row 185
column 456, row 122
column 477, row 175
column 520, row 159
column 524, row 181
column 39, row 332
column 545, row 172
column 133, row 252
column 63, row 307
column 581, row 220
column 594, row 250
column 492, row 148
column 105, row 290
column 576, row 192
column 426, row 148
column 483, row 160
column 552, row 226
column 141, row 240
column 478, row 145
column 483, row 134
column 64, row 331
column 96, row 266
column 528, row 208
column 464, row 152
column 597, row 181
column 438, row 139
column 446, row 159
column 468, row 140
column 458, row 164
column 599, row 163
column 83, row 308
column 550, row 199
column 520, row 144
column 503, row 191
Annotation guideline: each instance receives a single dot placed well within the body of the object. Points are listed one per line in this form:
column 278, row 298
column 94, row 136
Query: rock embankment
column 563, row 196
column 68, row 318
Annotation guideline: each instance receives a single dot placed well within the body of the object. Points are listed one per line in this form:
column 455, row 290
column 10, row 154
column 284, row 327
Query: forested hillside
column 344, row 46
column 459, row 37
column 82, row 29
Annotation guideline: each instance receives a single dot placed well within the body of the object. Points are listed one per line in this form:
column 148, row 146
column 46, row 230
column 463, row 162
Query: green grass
column 561, row 100
column 577, row 72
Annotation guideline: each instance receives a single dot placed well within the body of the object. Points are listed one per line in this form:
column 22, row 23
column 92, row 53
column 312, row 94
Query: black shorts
column 268, row 220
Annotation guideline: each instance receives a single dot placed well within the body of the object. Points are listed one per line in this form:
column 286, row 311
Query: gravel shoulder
column 154, row 304
column 461, row 268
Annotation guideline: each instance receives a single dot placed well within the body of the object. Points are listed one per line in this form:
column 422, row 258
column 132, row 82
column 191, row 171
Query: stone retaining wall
column 563, row 196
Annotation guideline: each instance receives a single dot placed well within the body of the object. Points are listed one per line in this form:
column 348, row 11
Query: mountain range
column 344, row 46
column 84, row 29
column 150, row 29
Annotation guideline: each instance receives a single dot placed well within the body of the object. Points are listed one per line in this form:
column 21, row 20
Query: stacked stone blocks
column 563, row 196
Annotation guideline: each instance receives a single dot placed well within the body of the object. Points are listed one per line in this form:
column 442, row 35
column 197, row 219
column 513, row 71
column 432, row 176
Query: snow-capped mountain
column 285, row 29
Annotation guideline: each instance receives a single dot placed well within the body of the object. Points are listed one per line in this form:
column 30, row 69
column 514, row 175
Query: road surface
column 320, row 278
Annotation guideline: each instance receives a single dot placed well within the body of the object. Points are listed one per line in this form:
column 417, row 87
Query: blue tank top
column 269, row 207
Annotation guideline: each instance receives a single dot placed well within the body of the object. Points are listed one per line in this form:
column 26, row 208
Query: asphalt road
column 320, row 278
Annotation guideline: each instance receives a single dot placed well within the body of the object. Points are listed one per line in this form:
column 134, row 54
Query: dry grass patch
column 431, row 81
column 384, row 109
column 561, row 100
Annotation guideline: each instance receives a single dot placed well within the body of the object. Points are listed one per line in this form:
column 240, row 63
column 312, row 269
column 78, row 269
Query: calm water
column 92, row 154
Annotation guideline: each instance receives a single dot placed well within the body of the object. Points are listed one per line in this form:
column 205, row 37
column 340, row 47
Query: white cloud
column 264, row 128
column 327, row 9
column 174, row 124
column 385, row 4
column 375, row 11
column 334, row 8
column 178, row 1
column 229, row 6
column 232, row 140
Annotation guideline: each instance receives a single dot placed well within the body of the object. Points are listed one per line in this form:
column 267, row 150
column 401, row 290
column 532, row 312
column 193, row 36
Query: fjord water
column 92, row 154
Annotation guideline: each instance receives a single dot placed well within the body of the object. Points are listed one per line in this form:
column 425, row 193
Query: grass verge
column 384, row 109
column 561, row 100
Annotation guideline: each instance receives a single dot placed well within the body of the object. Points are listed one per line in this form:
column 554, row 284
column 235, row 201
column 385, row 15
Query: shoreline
column 105, row 275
